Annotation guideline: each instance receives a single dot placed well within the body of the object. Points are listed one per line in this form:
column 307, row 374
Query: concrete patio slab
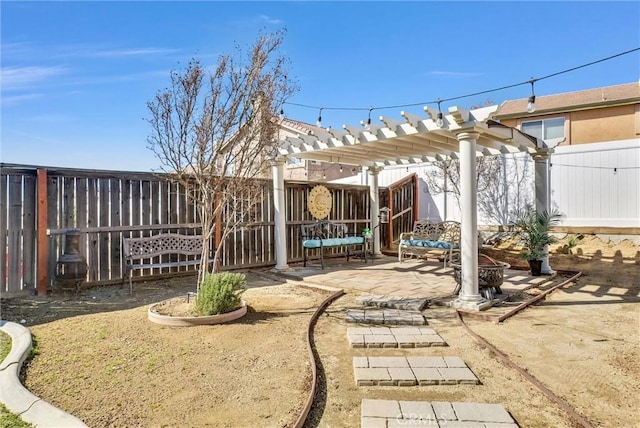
column 410, row 371
column 414, row 278
column 393, row 337
column 384, row 316
column 389, row 413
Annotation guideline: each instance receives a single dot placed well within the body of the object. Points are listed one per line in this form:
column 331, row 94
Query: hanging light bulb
column 340, row 168
column 367, row 124
column 439, row 117
column 281, row 113
column 319, row 121
column 531, row 102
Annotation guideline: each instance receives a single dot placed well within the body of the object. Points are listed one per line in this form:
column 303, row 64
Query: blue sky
column 76, row 76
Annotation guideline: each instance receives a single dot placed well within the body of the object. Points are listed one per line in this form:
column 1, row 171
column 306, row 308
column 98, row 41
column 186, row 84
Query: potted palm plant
column 534, row 232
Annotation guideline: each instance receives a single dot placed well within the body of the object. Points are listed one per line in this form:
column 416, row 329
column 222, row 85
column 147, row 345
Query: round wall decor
column 319, row 202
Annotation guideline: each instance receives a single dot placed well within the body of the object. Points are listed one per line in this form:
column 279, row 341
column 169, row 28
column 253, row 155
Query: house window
column 545, row 129
column 295, row 162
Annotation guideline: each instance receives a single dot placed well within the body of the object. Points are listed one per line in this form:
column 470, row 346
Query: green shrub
column 572, row 241
column 220, row 293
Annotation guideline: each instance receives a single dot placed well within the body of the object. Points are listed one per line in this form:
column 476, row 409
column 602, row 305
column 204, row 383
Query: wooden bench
column 427, row 237
column 327, row 234
column 139, row 253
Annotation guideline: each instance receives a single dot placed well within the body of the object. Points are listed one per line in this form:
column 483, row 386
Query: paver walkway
column 386, row 276
column 411, row 371
column 404, row 303
column 390, row 414
column 385, row 316
column 393, row 337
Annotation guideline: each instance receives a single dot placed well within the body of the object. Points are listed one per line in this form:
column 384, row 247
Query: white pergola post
column 469, row 297
column 374, row 196
column 280, row 232
column 543, row 195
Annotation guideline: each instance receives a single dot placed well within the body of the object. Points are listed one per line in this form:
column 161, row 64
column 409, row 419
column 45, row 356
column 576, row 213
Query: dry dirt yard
column 100, row 359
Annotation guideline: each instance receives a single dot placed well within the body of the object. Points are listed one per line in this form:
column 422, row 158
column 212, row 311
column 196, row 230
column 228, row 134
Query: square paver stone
column 417, row 410
column 458, row 375
column 426, row 341
column 360, row 362
column 400, row 331
column 356, row 340
column 403, row 376
column 454, row 362
column 426, row 362
column 354, row 315
column 458, row 424
column 406, row 340
column 482, row 412
column 380, row 339
column 427, row 375
column 380, row 330
column 370, row 374
column 410, row 423
column 379, row 408
column 388, row 362
column 443, row 410
column 373, row 316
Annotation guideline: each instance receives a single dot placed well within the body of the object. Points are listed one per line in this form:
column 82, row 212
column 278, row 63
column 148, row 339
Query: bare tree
column 445, row 177
column 509, row 191
column 214, row 130
column 500, row 184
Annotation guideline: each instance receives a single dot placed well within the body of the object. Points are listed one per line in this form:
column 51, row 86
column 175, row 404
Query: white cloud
column 119, row 53
column 21, row 77
column 269, row 20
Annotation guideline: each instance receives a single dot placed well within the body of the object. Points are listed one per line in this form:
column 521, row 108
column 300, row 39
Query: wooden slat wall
column 4, row 261
column 107, row 206
column 29, row 219
column 402, row 203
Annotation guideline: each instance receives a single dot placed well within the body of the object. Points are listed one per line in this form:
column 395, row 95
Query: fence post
column 43, row 242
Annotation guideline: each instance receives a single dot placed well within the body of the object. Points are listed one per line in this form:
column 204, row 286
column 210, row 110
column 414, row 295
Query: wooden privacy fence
column 39, row 205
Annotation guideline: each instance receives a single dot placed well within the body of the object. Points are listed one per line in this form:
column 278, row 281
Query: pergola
column 460, row 134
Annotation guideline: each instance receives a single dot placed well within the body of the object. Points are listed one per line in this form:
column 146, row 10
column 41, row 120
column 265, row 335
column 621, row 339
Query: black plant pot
column 536, row 267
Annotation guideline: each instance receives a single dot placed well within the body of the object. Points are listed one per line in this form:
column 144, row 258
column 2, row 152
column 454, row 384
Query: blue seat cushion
column 332, row 242
column 426, row 243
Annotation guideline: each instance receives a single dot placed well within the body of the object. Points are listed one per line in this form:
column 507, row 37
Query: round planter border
column 191, row 321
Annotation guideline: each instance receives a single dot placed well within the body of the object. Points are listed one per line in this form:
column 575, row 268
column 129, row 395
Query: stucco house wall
column 594, row 115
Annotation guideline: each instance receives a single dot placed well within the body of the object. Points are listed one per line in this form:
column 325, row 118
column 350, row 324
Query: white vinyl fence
column 596, row 185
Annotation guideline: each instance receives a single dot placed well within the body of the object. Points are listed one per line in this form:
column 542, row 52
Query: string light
column 319, row 121
column 528, row 82
column 531, row 102
column 439, row 119
column 614, row 168
column 281, row 113
column 368, row 125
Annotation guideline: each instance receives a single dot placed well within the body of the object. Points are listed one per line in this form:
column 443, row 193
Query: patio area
column 417, row 278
